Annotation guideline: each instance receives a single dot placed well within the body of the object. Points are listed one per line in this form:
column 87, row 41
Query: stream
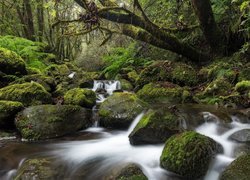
column 96, row 152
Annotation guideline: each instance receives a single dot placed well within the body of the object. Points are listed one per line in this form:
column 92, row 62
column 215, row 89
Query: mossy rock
column 243, row 87
column 50, row 121
column 130, row 172
column 8, row 111
column 188, row 154
column 82, row 97
column 126, row 85
column 27, row 93
column 119, row 110
column 161, row 92
column 239, row 169
column 244, row 74
column 11, row 63
column 156, row 126
column 178, row 73
column 40, row 168
column 58, row 72
column 47, row 82
column 218, row 87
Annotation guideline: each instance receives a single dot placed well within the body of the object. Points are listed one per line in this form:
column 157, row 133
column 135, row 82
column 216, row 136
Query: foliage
column 123, row 57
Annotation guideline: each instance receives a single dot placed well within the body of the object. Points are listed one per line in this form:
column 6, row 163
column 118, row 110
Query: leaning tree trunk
column 212, row 33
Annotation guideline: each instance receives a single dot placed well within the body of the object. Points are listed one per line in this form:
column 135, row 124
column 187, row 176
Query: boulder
column 82, row 97
column 119, row 110
column 156, row 126
column 239, row 169
column 130, row 172
column 188, row 154
column 8, row 111
column 242, row 136
column 26, row 93
column 39, row 168
column 11, row 63
column 161, row 92
column 243, row 87
column 50, row 121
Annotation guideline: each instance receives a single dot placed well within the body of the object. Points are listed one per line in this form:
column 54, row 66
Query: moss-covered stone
column 49, row 121
column 155, row 127
column 119, row 110
column 239, row 169
column 126, row 85
column 131, row 172
column 161, row 92
column 82, row 97
column 8, row 111
column 27, row 93
column 243, row 87
column 218, row 87
column 11, row 63
column 244, row 73
column 188, row 154
column 39, row 168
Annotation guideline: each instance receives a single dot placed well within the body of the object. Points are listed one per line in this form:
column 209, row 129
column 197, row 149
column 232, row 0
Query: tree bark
column 40, row 19
column 204, row 12
column 29, row 19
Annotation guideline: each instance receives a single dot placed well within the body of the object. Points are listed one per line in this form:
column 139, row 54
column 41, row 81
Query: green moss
column 245, row 73
column 126, row 85
column 242, row 87
column 27, row 93
column 11, row 63
column 239, row 169
column 131, row 172
column 155, row 92
column 218, row 87
column 187, row 152
column 81, row 97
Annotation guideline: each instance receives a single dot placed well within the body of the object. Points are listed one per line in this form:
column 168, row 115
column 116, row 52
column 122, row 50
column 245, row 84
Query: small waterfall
column 108, row 86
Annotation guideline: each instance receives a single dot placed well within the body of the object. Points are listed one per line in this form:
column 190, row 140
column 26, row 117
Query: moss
column 155, row 127
column 187, row 152
column 11, row 63
column 133, row 76
column 27, row 93
column 126, row 85
column 218, row 87
column 239, row 169
column 242, row 87
column 245, row 73
column 81, row 97
column 156, row 92
column 131, row 172
column 8, row 111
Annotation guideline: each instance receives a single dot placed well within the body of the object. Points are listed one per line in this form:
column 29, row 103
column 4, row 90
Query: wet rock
column 119, row 110
column 239, row 169
column 40, row 168
column 188, row 154
column 11, row 63
column 50, row 121
column 126, row 85
column 156, row 126
column 26, row 93
column 8, row 111
column 130, row 172
column 82, row 97
column 242, row 136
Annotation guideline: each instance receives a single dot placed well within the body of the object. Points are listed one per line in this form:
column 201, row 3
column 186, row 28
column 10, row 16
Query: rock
column 188, row 154
column 82, row 97
column 119, row 110
column 242, row 136
column 40, row 168
column 8, row 111
column 161, row 92
column 131, row 172
column 58, row 72
column 156, row 126
column 126, row 85
column 26, row 93
column 11, row 63
column 243, row 87
column 49, row 121
column 239, row 169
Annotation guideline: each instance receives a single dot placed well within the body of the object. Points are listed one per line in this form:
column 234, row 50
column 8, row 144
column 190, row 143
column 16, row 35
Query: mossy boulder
column 126, row 85
column 239, row 169
column 244, row 74
column 50, row 121
column 179, row 73
column 161, row 92
column 119, row 110
column 219, row 87
column 11, row 63
column 130, row 172
column 156, row 126
column 8, row 111
column 188, row 154
column 82, row 97
column 27, row 93
column 39, row 168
